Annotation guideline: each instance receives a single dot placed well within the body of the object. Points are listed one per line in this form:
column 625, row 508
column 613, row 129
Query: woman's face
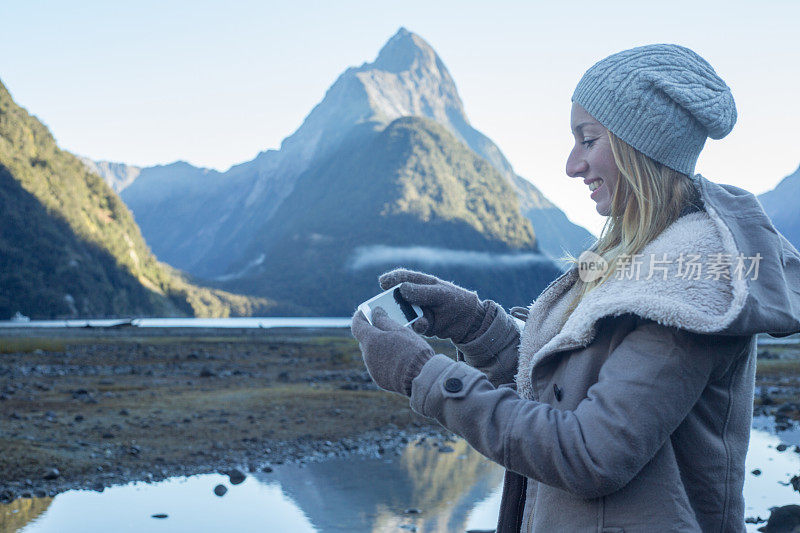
column 591, row 158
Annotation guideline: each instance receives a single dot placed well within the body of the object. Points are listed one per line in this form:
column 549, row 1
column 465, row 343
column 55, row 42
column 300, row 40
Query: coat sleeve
column 495, row 350
column 646, row 387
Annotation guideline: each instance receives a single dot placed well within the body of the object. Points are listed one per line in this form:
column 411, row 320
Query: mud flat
column 95, row 407
column 92, row 407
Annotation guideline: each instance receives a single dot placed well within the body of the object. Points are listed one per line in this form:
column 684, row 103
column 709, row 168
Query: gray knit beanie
column 662, row 99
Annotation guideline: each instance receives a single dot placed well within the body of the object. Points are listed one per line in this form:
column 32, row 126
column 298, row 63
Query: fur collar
column 698, row 305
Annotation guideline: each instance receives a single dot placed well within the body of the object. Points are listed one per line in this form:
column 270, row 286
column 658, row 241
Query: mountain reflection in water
column 454, row 491
column 365, row 495
column 15, row 515
column 355, row 494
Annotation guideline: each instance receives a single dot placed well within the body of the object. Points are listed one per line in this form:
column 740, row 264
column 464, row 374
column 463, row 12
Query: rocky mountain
column 779, row 204
column 117, row 175
column 411, row 194
column 70, row 248
column 201, row 221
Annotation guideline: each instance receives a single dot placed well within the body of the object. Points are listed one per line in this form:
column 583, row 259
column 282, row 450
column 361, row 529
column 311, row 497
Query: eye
column 588, row 142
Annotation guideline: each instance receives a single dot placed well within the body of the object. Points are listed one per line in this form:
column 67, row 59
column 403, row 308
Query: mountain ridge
column 70, row 246
column 412, row 192
column 406, row 78
column 780, row 205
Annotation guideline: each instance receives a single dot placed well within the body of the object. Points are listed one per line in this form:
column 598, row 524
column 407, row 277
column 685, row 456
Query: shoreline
column 88, row 409
column 109, row 407
column 375, row 443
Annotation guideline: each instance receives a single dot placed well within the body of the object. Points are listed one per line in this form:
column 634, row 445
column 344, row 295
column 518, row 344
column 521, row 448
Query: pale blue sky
column 214, row 83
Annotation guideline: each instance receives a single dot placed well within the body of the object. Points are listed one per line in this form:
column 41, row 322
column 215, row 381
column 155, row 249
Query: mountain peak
column 402, row 50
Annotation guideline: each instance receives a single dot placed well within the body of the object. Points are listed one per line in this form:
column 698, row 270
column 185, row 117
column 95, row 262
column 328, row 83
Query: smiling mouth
column 593, row 186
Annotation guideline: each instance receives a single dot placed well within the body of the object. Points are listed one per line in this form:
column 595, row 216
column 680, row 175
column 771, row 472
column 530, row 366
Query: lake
column 239, row 322
column 453, row 491
column 234, row 323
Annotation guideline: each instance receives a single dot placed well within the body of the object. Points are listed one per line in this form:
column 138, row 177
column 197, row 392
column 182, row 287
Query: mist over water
column 369, row 256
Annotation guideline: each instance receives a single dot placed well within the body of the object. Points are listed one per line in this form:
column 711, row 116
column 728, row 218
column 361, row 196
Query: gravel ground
column 92, row 411
column 92, row 408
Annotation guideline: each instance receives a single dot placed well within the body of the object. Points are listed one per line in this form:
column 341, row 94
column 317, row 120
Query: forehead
column 580, row 118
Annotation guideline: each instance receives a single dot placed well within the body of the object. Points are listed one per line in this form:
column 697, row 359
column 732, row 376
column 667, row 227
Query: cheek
column 605, row 161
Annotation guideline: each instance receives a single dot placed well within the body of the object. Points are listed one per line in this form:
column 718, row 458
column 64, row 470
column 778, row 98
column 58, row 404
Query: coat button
column 557, row 392
column 453, row 385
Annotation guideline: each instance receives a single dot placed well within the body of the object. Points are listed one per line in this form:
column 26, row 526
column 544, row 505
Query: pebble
column 782, row 519
column 756, row 472
column 160, row 515
column 220, row 490
column 781, row 447
column 51, row 474
column 236, row 476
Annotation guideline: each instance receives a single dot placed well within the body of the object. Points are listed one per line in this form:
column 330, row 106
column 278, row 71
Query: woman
column 625, row 403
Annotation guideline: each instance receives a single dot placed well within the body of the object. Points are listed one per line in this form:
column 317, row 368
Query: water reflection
column 453, row 491
column 19, row 512
column 768, row 489
column 450, row 490
column 370, row 495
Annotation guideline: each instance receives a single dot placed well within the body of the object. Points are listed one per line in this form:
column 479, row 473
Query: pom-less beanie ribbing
column 662, row 99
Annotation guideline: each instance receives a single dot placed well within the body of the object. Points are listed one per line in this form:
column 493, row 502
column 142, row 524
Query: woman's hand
column 394, row 355
column 449, row 311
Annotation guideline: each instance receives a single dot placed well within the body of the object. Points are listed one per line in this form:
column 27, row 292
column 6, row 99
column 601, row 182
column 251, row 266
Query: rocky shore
column 85, row 410
column 95, row 408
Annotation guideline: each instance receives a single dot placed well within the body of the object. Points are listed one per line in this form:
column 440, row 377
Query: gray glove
column 449, row 311
column 394, row 355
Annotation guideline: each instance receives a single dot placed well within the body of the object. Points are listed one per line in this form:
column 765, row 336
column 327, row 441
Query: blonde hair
column 648, row 197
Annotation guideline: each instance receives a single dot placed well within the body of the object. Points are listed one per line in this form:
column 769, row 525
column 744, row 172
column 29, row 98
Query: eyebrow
column 580, row 126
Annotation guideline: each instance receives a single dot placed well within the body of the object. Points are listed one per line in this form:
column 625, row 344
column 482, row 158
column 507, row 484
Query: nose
column 576, row 165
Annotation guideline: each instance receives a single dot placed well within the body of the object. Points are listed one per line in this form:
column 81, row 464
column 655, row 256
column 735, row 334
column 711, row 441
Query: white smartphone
column 398, row 308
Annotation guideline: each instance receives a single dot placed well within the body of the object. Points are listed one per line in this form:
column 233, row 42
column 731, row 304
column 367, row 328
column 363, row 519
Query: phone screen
column 397, row 307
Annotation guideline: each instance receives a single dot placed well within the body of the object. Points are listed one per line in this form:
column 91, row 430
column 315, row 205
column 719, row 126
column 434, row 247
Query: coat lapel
column 662, row 288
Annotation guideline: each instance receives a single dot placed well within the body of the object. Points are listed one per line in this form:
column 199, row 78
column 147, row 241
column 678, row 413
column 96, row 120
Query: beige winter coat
column 635, row 414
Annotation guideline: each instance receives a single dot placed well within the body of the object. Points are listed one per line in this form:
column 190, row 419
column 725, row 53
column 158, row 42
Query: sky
column 215, row 83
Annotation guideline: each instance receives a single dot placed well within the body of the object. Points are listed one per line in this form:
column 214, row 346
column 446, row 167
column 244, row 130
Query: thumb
column 359, row 325
column 420, row 325
column 382, row 321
